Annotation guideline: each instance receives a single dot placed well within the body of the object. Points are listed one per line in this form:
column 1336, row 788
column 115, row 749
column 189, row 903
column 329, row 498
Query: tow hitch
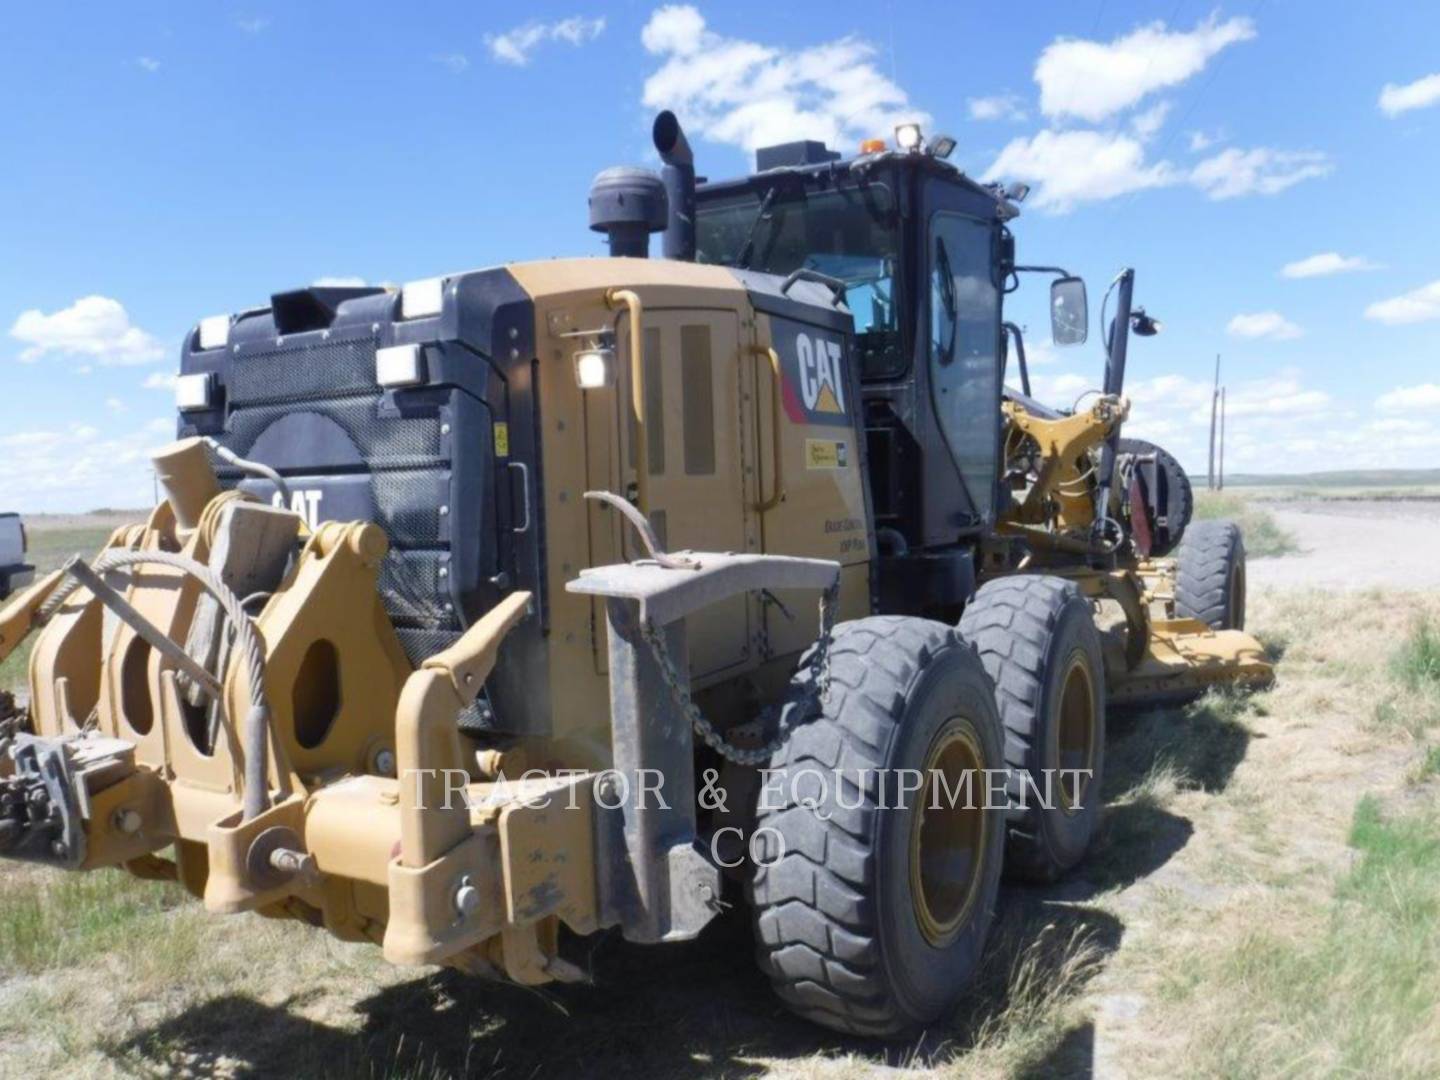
column 45, row 794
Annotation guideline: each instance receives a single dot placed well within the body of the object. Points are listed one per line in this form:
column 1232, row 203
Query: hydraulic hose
column 254, row 468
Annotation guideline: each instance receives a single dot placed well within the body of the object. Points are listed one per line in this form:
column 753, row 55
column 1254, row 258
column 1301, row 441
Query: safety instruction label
column 826, row 454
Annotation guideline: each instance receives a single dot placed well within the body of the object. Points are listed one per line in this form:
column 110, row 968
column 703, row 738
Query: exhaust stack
column 678, row 176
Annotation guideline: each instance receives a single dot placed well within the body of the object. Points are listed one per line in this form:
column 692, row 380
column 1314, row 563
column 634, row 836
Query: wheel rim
column 1236, row 613
column 1075, row 735
column 948, row 842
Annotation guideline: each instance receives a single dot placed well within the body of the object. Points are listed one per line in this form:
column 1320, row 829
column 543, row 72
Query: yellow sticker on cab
column 502, row 439
column 826, row 454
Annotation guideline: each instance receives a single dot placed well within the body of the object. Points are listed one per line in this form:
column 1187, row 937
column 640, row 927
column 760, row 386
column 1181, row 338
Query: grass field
column 50, row 545
column 1263, row 900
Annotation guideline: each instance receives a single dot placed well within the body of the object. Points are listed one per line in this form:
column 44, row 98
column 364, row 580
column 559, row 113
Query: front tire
column 873, row 918
column 1036, row 636
column 1210, row 580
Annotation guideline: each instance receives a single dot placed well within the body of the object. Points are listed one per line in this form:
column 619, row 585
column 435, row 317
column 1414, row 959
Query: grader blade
column 1184, row 657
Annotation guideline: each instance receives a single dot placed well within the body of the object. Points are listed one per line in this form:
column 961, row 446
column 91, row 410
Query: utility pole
column 1224, row 390
column 1214, row 406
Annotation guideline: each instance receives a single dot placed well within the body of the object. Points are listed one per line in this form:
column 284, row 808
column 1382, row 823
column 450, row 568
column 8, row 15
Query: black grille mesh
column 403, row 458
column 385, row 442
column 291, row 375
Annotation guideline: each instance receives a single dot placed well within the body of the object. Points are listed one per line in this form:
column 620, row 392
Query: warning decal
column 826, row 454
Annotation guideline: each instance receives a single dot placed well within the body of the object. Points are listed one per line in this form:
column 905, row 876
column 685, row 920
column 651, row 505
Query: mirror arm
column 1117, row 345
column 1020, row 356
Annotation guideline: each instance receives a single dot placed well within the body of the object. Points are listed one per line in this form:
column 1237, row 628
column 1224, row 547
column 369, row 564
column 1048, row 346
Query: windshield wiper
column 742, row 261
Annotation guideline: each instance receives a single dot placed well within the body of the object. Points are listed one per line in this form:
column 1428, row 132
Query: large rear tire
column 1210, row 580
column 1036, row 637
column 873, row 914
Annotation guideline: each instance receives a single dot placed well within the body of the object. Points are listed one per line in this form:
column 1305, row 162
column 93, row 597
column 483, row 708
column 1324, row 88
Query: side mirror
column 1069, row 311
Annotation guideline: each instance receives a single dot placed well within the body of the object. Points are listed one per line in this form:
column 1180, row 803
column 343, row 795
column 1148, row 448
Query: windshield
column 851, row 233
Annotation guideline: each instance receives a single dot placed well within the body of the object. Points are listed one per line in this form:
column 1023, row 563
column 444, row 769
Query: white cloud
column 1401, row 423
column 1326, row 263
column 1264, row 324
column 341, row 281
column 516, row 46
column 750, row 95
column 148, row 64
column 1071, row 167
column 92, row 326
column 253, row 25
column 1418, row 305
column 1261, row 171
column 1416, row 95
column 78, row 468
column 1404, row 398
column 997, row 107
column 1148, row 123
column 1092, row 80
column 115, row 405
column 1076, row 166
column 1274, row 423
column 1200, row 141
column 454, row 61
column 1059, row 390
column 160, row 380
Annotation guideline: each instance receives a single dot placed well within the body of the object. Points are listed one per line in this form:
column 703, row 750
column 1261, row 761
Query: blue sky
column 169, row 161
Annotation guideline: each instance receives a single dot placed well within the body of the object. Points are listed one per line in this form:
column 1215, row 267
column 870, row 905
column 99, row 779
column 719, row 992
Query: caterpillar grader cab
column 476, row 615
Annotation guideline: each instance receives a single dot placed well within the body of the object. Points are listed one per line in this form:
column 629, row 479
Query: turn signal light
column 872, row 146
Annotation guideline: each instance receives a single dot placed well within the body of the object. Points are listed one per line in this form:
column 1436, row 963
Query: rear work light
column 420, row 299
column 215, row 332
column 399, row 365
column 194, row 392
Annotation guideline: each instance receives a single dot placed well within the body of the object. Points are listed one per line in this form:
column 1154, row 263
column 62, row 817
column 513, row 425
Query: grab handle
column 777, row 424
column 525, row 494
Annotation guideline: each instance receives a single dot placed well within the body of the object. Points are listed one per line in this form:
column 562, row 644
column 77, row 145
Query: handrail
column 631, row 300
column 777, row 494
column 837, row 286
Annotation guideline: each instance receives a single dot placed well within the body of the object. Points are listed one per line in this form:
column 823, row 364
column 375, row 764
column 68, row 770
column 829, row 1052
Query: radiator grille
column 402, row 458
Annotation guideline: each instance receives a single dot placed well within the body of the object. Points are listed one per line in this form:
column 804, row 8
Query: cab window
column 964, row 352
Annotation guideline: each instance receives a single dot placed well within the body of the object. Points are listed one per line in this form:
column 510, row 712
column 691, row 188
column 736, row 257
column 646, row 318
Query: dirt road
column 1354, row 544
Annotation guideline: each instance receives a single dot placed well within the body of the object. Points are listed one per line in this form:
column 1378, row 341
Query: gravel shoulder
column 1353, row 544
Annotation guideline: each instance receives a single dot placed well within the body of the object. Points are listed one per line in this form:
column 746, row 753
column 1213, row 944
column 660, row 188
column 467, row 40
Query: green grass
column 1413, row 703
column 54, row 920
column 1417, row 663
column 1429, row 765
column 1356, row 998
column 1264, row 538
column 49, row 549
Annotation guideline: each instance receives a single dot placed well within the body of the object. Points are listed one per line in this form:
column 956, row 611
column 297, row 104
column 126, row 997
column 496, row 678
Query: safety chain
column 818, row 665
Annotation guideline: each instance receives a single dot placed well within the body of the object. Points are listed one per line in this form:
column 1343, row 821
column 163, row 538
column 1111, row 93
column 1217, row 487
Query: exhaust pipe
column 678, row 176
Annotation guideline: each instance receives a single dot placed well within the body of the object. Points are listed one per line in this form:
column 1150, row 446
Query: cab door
column 963, row 359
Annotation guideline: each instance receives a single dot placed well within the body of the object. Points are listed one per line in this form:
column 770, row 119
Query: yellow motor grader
column 474, row 616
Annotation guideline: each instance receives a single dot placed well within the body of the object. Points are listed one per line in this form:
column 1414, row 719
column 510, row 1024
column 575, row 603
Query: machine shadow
column 1152, row 755
column 703, row 1008
column 698, row 1009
